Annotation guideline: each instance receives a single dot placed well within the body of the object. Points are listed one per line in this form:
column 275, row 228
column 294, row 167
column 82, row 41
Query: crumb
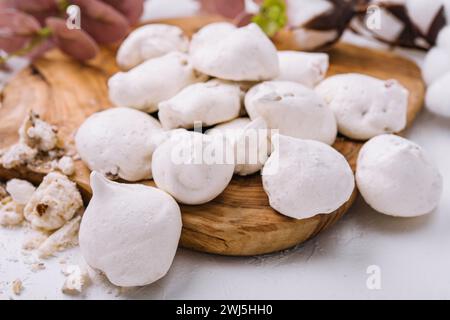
column 17, row 287
column 66, row 165
column 76, row 280
column 61, row 239
column 35, row 267
column 18, row 155
column 11, row 213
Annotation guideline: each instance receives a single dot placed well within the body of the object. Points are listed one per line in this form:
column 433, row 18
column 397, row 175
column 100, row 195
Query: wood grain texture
column 239, row 221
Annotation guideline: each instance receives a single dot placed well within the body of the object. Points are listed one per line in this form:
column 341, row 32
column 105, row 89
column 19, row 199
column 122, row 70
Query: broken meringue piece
column 76, row 280
column 396, row 177
column 11, row 213
column 192, row 167
column 365, row 106
column 148, row 42
column 293, row 109
column 66, row 165
column 302, row 67
column 209, row 103
column 17, row 155
column 129, row 231
column 240, row 54
column 119, row 142
column 65, row 237
column 37, row 133
column 249, row 140
column 153, row 81
column 304, row 178
column 20, row 190
column 54, row 202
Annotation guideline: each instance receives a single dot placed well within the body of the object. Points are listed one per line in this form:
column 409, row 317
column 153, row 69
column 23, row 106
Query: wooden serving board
column 240, row 221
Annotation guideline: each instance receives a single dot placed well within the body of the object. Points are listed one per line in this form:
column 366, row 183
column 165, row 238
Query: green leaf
column 272, row 16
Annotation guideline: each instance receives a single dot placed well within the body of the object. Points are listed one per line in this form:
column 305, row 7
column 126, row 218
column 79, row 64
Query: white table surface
column 413, row 255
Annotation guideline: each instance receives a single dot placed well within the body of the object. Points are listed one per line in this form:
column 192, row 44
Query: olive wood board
column 240, row 221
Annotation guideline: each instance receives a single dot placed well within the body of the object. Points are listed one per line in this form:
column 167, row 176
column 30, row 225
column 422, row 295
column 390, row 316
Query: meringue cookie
column 192, row 167
column 304, row 178
column 293, row 109
column 119, row 142
column 153, row 81
column 396, row 177
column 209, row 103
column 436, row 64
column 150, row 41
column 303, row 67
column 129, row 231
column 437, row 98
column 249, row 140
column 365, row 106
column 240, row 54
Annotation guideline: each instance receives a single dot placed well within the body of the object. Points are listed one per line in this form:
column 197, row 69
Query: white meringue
column 395, row 177
column 209, row 103
column 365, row 106
column 119, row 142
column 153, row 81
column 192, row 167
column 303, row 67
column 250, row 142
column 304, row 178
column 437, row 98
column 150, row 41
column 129, row 231
column 293, row 109
column 241, row 54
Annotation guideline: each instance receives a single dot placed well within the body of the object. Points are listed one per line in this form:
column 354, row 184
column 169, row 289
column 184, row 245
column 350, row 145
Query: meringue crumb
column 77, row 279
column 17, row 287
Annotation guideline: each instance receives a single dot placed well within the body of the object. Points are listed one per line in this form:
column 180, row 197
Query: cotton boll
column 410, row 23
column 249, row 140
column 153, row 81
column 119, row 142
column 54, row 202
column 305, row 68
column 20, row 190
column 437, row 99
column 396, row 177
column 238, row 54
column 150, row 41
column 293, row 109
column 365, row 106
column 129, row 231
column 209, row 103
column 304, row 178
column 436, row 64
column 424, row 13
column 316, row 24
column 192, row 167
